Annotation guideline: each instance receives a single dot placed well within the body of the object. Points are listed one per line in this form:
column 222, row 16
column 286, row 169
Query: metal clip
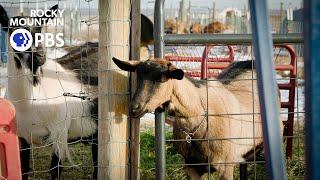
column 189, row 137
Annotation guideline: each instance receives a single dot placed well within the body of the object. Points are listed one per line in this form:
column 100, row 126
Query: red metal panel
column 205, row 66
column 289, row 124
column 204, row 56
column 284, row 67
column 196, row 59
column 198, row 74
column 10, row 157
column 286, row 86
column 218, row 66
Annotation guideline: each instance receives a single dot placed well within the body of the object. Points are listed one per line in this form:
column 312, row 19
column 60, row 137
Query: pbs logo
column 21, row 40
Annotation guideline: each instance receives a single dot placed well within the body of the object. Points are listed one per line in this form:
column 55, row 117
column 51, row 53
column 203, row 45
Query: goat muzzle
column 137, row 110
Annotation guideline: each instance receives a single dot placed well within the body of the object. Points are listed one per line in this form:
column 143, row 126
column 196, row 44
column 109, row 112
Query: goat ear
column 55, row 7
column 176, row 74
column 4, row 19
column 126, row 65
column 146, row 31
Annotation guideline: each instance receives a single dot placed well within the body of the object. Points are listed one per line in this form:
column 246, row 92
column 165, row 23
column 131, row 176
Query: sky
column 221, row 4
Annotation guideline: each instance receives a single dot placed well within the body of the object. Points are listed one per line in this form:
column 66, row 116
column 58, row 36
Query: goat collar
column 189, row 133
column 83, row 97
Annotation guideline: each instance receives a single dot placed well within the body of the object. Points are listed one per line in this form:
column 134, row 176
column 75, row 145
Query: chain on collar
column 189, row 135
column 83, row 97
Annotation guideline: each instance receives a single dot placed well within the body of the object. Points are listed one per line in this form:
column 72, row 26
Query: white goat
column 44, row 115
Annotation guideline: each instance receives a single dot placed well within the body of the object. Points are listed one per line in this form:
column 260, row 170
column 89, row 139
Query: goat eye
column 161, row 78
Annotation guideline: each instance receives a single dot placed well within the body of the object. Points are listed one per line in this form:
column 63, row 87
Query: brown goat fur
column 215, row 27
column 175, row 27
column 196, row 28
column 233, row 125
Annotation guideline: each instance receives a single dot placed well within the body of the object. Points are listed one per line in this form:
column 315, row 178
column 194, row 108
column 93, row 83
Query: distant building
column 297, row 15
column 222, row 16
column 276, row 18
column 297, row 26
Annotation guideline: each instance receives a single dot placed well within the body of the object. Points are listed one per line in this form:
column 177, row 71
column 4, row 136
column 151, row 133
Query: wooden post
column 135, row 123
column 113, row 157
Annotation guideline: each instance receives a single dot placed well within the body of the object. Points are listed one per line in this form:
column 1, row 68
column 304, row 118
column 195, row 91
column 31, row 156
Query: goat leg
column 25, row 158
column 55, row 167
column 225, row 172
column 192, row 173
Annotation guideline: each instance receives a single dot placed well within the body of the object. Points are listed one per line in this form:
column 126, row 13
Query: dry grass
column 83, row 168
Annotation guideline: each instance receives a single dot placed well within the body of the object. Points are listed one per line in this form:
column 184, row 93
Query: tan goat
column 214, row 27
column 196, row 28
column 233, row 126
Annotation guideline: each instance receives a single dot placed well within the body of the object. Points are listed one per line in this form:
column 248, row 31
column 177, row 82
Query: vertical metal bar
column 160, row 114
column 243, row 171
column 3, row 46
column 160, row 145
column 158, row 29
column 312, row 83
column 204, row 67
column 262, row 46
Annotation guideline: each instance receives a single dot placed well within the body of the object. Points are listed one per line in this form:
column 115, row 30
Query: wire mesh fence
column 290, row 112
column 185, row 17
column 56, row 102
column 289, row 71
column 291, row 92
column 81, row 35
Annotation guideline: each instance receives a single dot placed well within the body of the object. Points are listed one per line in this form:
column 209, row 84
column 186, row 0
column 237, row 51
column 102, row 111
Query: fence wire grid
column 189, row 58
column 81, row 31
column 59, row 90
column 218, row 58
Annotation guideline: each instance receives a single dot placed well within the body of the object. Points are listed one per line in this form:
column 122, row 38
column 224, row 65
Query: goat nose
column 136, row 107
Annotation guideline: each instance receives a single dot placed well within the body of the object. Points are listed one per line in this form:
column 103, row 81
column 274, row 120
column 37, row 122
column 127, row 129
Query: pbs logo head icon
column 21, row 40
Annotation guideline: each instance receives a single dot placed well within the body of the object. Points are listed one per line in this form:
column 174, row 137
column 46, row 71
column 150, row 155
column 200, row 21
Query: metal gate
column 265, row 74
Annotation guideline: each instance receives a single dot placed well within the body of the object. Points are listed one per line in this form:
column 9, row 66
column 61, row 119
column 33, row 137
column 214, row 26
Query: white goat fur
column 43, row 114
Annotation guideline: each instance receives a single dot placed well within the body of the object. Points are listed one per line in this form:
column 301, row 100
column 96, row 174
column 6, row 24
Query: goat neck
column 189, row 98
column 19, row 86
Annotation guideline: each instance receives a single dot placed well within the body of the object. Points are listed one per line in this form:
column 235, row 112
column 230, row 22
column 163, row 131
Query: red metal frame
column 289, row 124
column 9, row 144
column 222, row 63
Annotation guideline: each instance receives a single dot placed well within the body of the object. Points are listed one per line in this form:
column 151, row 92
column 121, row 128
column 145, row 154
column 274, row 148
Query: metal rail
column 223, row 62
column 312, row 80
column 265, row 72
column 262, row 47
column 160, row 139
column 229, row 39
column 3, row 46
column 160, row 144
column 291, row 87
